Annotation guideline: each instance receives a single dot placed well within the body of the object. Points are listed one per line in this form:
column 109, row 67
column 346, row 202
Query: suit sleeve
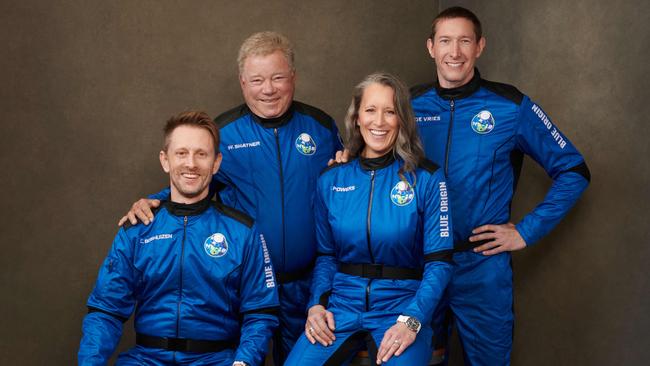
column 437, row 247
column 162, row 195
column 110, row 304
column 259, row 301
column 538, row 137
column 326, row 261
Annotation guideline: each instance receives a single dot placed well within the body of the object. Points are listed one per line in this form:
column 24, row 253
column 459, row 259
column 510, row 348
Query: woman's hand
column 320, row 326
column 396, row 340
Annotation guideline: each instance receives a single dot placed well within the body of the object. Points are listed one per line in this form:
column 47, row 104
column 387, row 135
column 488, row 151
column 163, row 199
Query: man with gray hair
column 273, row 151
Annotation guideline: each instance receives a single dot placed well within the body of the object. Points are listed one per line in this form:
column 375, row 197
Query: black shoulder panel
column 230, row 115
column 420, row 89
column 127, row 225
column 321, row 117
column 326, row 169
column 581, row 169
column 234, row 213
column 428, row 165
column 505, row 90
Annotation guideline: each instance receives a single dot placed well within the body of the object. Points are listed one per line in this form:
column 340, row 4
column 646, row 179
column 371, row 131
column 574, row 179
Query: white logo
column 444, row 207
column 549, row 126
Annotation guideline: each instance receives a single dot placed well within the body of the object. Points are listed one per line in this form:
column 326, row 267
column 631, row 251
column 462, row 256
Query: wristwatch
column 411, row 322
column 239, row 363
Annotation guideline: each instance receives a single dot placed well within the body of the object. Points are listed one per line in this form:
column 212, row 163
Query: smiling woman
column 383, row 245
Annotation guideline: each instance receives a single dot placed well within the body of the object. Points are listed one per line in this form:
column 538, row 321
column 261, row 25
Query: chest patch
column 305, row 144
column 216, row 245
column 482, row 122
column 402, row 194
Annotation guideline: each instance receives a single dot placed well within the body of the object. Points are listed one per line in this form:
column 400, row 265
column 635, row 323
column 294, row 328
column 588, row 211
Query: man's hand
column 141, row 209
column 340, row 157
column 396, row 340
column 504, row 238
column 320, row 326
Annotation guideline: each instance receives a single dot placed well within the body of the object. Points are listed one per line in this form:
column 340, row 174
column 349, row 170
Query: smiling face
column 190, row 160
column 378, row 120
column 267, row 83
column 454, row 48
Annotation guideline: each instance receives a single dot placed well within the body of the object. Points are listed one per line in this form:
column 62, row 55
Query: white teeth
column 378, row 132
column 455, row 64
column 189, row 175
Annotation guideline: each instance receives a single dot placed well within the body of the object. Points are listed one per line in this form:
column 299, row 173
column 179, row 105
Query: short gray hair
column 265, row 43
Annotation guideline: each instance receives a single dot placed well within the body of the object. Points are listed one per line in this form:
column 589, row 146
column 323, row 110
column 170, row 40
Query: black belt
column 183, row 344
column 469, row 245
column 378, row 271
column 286, row 277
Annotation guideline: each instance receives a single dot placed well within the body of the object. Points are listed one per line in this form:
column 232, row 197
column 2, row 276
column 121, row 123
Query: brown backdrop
column 86, row 86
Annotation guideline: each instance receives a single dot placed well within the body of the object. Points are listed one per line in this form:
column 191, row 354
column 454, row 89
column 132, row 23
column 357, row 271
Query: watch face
column 413, row 324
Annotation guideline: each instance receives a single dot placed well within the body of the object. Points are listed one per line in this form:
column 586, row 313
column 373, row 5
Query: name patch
column 343, row 189
column 155, row 237
column 243, row 145
column 427, row 119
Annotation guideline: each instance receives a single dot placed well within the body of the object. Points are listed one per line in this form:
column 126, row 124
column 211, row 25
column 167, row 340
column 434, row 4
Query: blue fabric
column 350, row 202
column 274, row 179
column 305, row 353
column 182, row 281
column 270, row 173
column 479, row 133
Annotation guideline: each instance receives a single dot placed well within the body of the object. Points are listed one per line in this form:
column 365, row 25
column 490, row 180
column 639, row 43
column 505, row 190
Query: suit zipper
column 180, row 292
column 449, row 131
column 372, row 257
column 277, row 144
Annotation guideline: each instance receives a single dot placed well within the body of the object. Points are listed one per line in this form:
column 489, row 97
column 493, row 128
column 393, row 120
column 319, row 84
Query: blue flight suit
column 384, row 247
column 202, row 286
column 269, row 170
column 479, row 133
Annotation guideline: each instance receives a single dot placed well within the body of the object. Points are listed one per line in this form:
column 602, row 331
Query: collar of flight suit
column 274, row 122
column 462, row 91
column 192, row 209
column 378, row 162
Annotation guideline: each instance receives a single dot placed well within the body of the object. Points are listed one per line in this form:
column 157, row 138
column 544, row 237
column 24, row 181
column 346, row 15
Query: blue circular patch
column 216, row 245
column 402, row 194
column 305, row 144
column 483, row 122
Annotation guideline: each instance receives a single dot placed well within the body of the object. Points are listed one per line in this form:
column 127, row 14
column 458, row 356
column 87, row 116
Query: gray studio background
column 87, row 85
